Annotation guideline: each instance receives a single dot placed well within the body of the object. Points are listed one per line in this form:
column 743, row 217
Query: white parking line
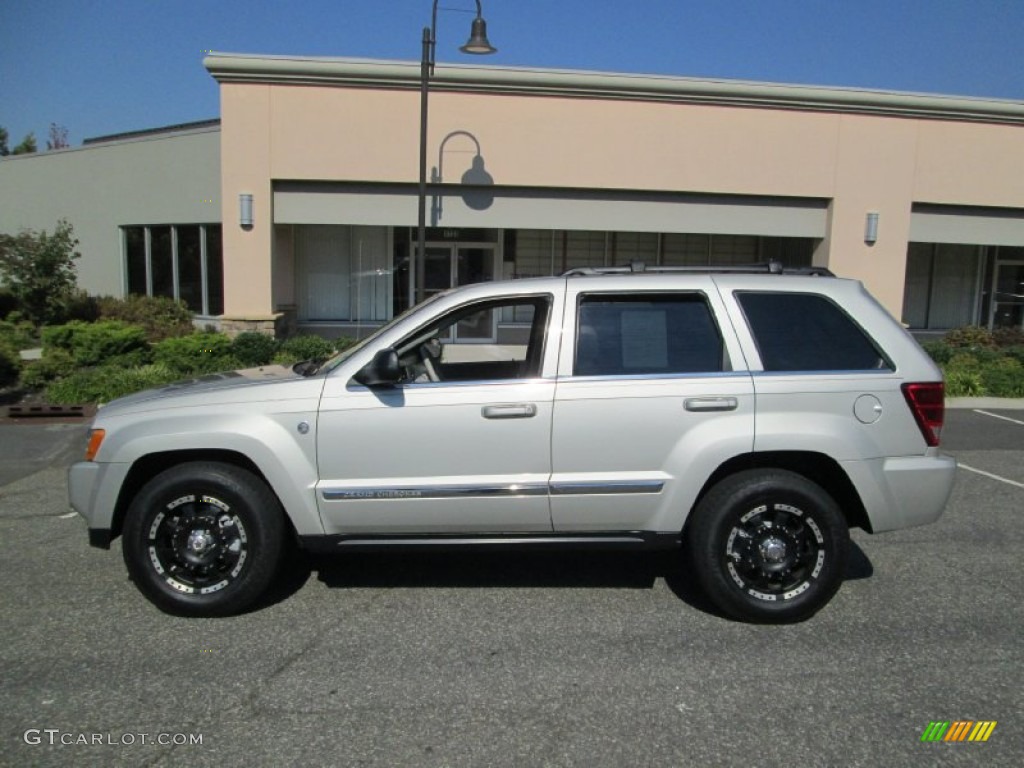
column 69, row 515
column 989, row 474
column 997, row 416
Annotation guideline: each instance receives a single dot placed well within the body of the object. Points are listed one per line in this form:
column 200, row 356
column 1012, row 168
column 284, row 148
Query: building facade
column 535, row 172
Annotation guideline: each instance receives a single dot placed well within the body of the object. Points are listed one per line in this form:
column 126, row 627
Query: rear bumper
column 903, row 492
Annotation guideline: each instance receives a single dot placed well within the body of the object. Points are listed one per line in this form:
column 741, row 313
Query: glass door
column 1008, row 295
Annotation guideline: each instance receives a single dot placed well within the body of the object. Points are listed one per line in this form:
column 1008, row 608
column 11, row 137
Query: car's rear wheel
column 204, row 539
column 768, row 546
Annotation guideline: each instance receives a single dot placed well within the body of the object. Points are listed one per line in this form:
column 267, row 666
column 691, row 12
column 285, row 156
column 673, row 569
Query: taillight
column 927, row 402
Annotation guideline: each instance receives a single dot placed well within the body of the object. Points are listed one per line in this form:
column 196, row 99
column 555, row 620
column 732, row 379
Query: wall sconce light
column 871, row 228
column 245, row 211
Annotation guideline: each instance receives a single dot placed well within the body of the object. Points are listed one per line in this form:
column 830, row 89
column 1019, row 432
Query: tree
column 39, row 270
column 27, row 146
column 58, row 137
column 4, row 151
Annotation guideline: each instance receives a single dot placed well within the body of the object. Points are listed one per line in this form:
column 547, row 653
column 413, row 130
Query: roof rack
column 770, row 267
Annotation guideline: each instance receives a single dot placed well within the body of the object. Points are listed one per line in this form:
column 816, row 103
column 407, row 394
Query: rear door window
column 808, row 332
column 636, row 334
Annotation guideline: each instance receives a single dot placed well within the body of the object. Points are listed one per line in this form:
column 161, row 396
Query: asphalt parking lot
column 528, row 660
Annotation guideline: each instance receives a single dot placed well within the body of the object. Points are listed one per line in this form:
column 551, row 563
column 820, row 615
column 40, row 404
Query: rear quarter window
column 808, row 332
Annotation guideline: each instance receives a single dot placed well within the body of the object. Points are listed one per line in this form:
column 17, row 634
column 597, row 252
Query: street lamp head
column 478, row 42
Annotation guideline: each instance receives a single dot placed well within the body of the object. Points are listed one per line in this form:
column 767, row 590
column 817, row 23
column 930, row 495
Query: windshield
column 345, row 354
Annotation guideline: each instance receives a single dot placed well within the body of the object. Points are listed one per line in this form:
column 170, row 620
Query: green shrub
column 970, row 336
column 963, row 383
column 254, row 349
column 8, row 302
column 344, row 342
column 1008, row 337
column 305, row 347
column 55, row 364
column 963, row 361
column 38, row 269
column 104, row 342
column 196, row 354
column 82, row 306
column 1003, row 379
column 1015, row 353
column 161, row 317
column 10, row 365
column 938, row 351
column 101, row 385
column 18, row 335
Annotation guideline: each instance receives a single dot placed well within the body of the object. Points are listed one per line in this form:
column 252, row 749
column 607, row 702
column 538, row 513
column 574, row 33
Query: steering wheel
column 430, row 356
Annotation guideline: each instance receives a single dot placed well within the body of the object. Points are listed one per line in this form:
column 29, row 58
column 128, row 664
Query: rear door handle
column 710, row 403
column 517, row 411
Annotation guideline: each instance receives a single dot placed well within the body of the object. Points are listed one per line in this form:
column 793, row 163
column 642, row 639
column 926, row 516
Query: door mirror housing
column 382, row 371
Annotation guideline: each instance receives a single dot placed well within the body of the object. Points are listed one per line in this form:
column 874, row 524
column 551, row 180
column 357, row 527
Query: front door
column 462, row 444
column 1008, row 295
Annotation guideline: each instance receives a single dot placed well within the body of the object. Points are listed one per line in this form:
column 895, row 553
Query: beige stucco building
column 534, row 172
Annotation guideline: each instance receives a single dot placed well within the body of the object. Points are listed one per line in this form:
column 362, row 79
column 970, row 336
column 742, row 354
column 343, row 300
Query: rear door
column 652, row 396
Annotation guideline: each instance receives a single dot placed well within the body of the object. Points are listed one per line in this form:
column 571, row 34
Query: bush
column 1008, row 337
column 304, row 348
column 104, row 342
column 938, row 351
column 196, row 354
column 55, row 364
column 1015, row 353
column 8, row 303
column 344, row 342
column 254, row 349
column 18, row 335
column 82, row 306
column 101, row 385
column 970, row 336
column 1003, row 379
column 162, row 318
column 10, row 365
column 963, row 383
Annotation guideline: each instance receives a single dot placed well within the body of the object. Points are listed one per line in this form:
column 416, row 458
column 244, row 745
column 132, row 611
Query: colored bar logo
column 958, row 730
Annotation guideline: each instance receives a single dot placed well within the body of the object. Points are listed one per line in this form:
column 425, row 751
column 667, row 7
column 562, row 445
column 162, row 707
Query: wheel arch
column 145, row 468
column 816, row 467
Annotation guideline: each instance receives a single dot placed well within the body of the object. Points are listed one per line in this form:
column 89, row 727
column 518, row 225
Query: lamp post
column 477, row 44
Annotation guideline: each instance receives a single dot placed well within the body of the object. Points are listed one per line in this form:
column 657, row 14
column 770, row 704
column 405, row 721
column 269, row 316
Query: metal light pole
column 477, row 44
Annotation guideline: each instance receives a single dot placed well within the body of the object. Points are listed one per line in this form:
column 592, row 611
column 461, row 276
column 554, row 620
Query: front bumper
column 92, row 492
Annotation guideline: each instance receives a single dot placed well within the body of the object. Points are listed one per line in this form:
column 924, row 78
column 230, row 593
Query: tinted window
column 654, row 334
column 806, row 332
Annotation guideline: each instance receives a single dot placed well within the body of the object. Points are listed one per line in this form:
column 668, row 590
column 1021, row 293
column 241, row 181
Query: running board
column 629, row 540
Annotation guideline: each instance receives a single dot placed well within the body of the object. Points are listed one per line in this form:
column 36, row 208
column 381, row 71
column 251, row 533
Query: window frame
column 889, row 368
column 726, row 367
column 543, row 318
column 147, row 237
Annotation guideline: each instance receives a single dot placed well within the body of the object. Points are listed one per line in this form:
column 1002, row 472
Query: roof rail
column 634, row 267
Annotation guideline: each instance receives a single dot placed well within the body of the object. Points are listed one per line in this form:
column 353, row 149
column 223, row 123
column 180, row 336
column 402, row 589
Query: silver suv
column 748, row 417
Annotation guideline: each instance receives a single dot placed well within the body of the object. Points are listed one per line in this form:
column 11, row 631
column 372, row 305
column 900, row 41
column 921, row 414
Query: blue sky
column 106, row 66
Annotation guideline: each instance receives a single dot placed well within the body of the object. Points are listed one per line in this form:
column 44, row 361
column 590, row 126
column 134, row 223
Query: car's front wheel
column 204, row 539
column 768, row 546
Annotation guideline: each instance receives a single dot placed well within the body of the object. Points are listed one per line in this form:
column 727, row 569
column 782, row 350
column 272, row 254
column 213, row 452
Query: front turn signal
column 95, row 440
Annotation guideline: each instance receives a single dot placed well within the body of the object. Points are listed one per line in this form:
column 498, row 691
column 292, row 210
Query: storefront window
column 173, row 258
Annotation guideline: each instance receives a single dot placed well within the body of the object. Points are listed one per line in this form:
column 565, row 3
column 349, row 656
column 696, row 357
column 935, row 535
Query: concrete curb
column 998, row 403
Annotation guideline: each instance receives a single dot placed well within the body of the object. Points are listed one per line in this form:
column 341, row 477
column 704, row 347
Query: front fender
column 273, row 442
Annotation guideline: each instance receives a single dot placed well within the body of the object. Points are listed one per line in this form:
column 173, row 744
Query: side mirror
column 382, row 371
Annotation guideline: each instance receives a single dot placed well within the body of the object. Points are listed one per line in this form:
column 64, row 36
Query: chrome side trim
column 587, row 488
column 568, row 488
column 433, row 492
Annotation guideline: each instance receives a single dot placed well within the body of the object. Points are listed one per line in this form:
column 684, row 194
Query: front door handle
column 517, row 411
column 710, row 403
